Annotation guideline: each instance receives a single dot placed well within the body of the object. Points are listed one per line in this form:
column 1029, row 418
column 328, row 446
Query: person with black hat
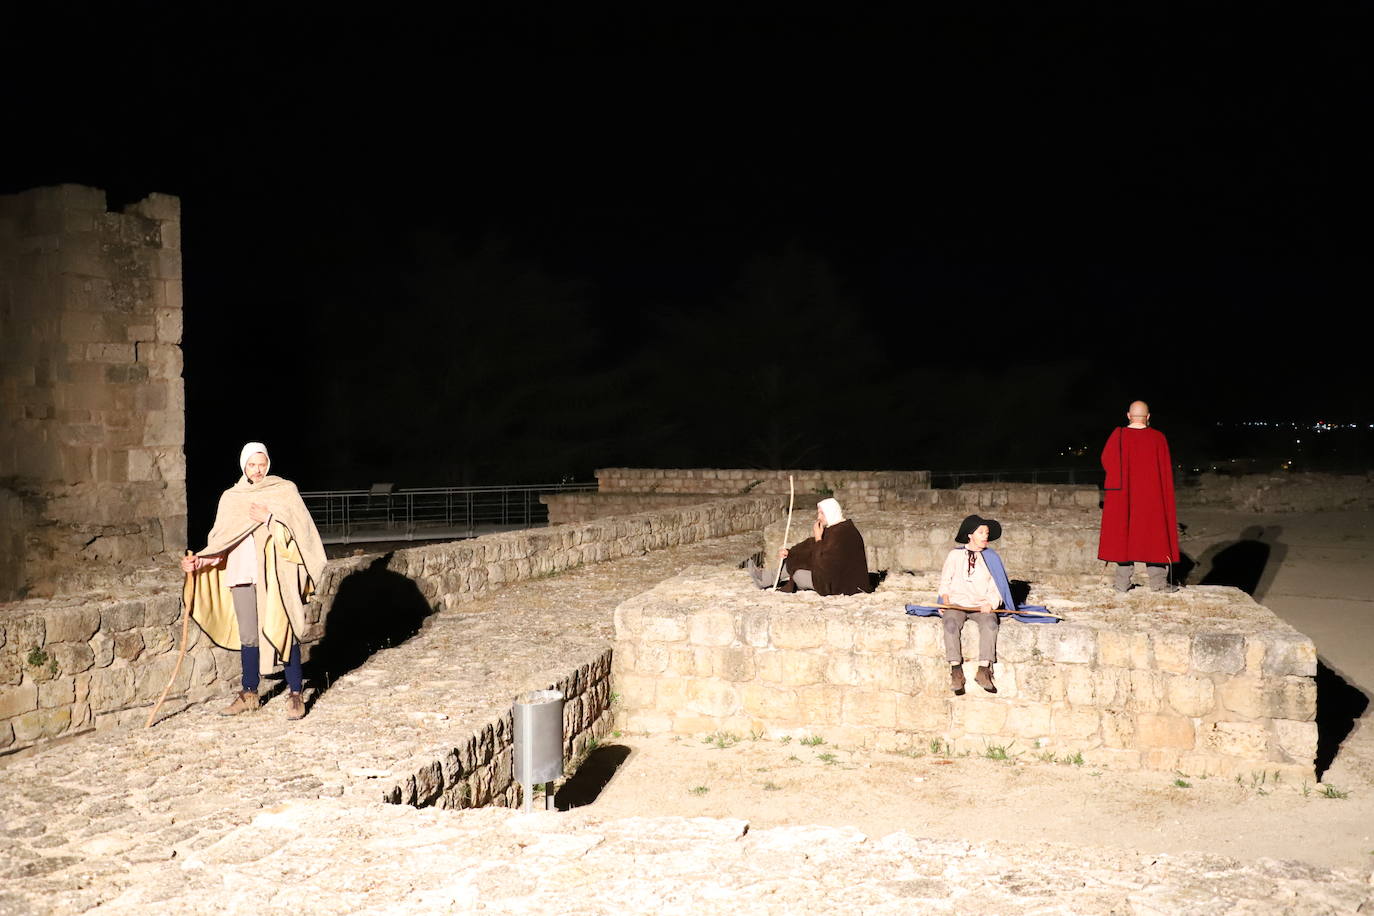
column 972, row 579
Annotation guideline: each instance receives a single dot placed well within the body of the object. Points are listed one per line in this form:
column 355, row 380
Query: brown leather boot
column 295, row 706
column 244, row 701
column 956, row 679
column 984, row 678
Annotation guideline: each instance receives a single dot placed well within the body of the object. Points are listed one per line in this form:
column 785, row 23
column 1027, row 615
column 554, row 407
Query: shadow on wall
column 375, row 608
column 1340, row 705
column 591, row 777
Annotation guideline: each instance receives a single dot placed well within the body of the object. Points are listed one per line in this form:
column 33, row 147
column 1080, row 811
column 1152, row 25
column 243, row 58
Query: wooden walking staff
column 186, row 603
column 974, row 610
column 787, row 532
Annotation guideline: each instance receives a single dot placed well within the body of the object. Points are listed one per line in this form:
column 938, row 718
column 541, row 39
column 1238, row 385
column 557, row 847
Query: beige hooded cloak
column 291, row 562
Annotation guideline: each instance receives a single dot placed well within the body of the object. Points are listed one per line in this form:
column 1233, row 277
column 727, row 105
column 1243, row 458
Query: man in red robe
column 1139, row 522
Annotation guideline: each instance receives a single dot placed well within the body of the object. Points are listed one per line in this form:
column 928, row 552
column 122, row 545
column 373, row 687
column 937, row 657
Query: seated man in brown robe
column 831, row 562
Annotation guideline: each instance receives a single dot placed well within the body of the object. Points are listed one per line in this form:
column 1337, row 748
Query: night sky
column 489, row 250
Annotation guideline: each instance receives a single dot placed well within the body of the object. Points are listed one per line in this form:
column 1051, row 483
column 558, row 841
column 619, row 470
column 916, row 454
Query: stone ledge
column 1204, row 681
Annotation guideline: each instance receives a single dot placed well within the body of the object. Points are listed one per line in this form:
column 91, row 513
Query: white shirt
column 968, row 588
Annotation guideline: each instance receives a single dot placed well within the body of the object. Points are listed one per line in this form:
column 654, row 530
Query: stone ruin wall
column 78, row 662
column 621, row 490
column 1298, row 492
column 1205, row 682
column 92, row 472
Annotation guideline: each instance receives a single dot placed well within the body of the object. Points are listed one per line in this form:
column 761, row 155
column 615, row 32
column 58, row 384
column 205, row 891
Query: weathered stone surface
column 18, row 699
column 1154, row 731
column 1219, row 653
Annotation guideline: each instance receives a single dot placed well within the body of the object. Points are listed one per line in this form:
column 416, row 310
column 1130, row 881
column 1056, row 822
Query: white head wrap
column 831, row 509
column 250, row 449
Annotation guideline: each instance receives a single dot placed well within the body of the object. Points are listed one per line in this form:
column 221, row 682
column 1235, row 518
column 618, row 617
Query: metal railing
column 429, row 513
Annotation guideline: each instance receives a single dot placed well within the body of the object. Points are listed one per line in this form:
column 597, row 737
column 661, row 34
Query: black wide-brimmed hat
column 972, row 523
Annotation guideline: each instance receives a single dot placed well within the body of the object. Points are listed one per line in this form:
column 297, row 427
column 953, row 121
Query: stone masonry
column 81, row 661
column 916, row 540
column 92, row 472
column 643, row 489
column 1205, row 682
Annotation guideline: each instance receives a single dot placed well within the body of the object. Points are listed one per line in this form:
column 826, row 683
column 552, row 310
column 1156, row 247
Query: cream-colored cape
column 291, row 563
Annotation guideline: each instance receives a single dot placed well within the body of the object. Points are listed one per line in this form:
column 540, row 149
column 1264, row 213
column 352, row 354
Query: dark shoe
column 295, row 706
column 244, row 701
column 984, row 678
column 956, row 679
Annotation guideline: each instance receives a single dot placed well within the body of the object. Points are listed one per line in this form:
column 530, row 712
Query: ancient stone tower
column 92, row 470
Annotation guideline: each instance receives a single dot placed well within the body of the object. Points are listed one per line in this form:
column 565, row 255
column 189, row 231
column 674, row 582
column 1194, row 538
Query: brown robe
column 838, row 563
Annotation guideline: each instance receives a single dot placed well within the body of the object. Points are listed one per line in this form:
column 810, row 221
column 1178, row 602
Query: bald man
column 1139, row 521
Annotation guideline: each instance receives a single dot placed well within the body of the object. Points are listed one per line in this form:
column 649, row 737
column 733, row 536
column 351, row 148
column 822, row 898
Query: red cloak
column 1139, row 521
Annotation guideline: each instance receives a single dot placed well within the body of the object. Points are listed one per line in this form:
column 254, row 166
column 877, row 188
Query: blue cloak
column 999, row 576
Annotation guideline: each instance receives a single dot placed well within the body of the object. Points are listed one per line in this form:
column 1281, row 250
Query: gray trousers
column 954, row 630
column 246, row 610
column 763, row 578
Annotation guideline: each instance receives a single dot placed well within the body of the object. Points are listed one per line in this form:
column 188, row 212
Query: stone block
column 771, row 703
column 928, row 636
column 1156, row 731
column 111, row 689
column 1147, row 692
column 1067, row 644
column 102, row 649
column 731, row 664
column 128, row 646
column 754, row 628
column 1290, row 656
column 869, row 709
column 1028, row 721
column 663, row 628
column 1118, row 729
column 76, row 624
column 839, row 634
column 1015, row 643
column 1079, row 687
column 1075, row 722
column 1040, row 683
column 1248, row 740
column 1173, row 652
column 121, row 616
column 1119, row 649
column 1112, row 687
column 803, row 630
column 979, row 715
column 1296, row 739
column 1189, row 695
column 881, row 635
column 930, row 715
column 42, row 723
column 72, row 658
column 168, row 325
column 711, row 627
column 1271, row 698
column 820, row 703
column 18, row 700
column 60, row 691
column 1254, row 655
column 791, row 668
column 857, row 669
column 1219, row 653
column 710, row 698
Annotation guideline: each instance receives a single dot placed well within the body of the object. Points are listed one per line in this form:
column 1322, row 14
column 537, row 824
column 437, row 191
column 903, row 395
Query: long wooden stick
column 787, row 532
column 181, row 656
column 974, row 610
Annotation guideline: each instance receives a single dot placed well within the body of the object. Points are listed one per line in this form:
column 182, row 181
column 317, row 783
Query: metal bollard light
column 537, row 749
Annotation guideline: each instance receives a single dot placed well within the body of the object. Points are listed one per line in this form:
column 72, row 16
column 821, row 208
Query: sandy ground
column 1319, row 578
